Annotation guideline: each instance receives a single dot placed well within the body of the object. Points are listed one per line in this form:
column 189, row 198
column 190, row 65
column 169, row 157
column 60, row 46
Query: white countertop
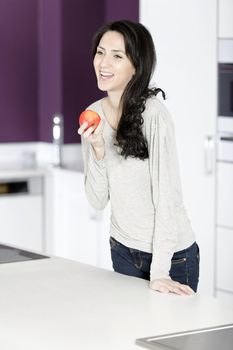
column 20, row 172
column 58, row 304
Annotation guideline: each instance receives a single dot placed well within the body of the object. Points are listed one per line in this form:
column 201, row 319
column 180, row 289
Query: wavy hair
column 140, row 50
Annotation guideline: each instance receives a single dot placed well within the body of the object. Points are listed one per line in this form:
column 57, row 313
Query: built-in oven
column 225, row 101
column 225, row 90
column 225, row 112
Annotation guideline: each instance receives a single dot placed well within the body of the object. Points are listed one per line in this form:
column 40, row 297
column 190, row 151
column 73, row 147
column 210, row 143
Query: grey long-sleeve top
column 147, row 211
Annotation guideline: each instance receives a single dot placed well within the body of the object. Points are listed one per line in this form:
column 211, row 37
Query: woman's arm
column 167, row 198
column 96, row 180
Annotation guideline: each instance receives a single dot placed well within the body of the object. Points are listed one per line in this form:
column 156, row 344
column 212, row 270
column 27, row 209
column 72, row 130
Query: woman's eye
column 117, row 56
column 99, row 52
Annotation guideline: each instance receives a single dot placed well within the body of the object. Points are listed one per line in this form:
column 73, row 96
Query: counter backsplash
column 38, row 155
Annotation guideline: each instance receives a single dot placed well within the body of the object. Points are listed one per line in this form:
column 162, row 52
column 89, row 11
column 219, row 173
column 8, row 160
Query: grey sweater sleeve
column 166, row 193
column 96, row 180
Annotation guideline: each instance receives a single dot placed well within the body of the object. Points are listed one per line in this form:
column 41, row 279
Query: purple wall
column 46, row 65
column 121, row 9
column 79, row 83
column 18, row 71
column 49, row 65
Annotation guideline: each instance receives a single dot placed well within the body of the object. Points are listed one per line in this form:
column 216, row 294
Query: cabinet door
column 224, row 259
column 21, row 221
column 225, row 194
column 225, row 17
column 184, row 33
column 225, row 297
column 74, row 221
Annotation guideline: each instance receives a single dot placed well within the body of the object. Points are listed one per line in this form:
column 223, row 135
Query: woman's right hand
column 167, row 285
column 95, row 137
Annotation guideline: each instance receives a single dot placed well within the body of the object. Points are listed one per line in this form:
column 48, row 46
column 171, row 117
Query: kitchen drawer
column 224, row 262
column 225, row 194
column 21, row 221
column 225, row 297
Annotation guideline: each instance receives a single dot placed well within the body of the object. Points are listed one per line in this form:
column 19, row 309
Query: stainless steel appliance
column 202, row 339
column 225, row 89
column 10, row 254
column 225, row 100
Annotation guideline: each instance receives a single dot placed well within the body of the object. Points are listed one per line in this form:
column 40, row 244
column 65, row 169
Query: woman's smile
column 106, row 75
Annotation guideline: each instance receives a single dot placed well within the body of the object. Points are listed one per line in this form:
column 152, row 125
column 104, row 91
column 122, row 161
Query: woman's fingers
column 82, row 128
column 100, row 127
column 169, row 286
column 92, row 130
column 186, row 289
column 89, row 131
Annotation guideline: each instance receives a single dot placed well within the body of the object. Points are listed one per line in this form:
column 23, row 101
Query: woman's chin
column 101, row 87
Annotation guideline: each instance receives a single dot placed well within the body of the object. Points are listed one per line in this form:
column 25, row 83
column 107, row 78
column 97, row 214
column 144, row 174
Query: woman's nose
column 104, row 61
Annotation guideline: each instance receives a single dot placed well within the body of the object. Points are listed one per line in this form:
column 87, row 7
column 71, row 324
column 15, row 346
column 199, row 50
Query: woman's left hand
column 166, row 285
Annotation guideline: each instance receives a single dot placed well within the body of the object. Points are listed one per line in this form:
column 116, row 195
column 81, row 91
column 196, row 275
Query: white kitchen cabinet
column 224, row 234
column 21, row 221
column 225, row 297
column 74, row 229
column 185, row 36
column 224, row 259
column 225, row 195
column 225, row 25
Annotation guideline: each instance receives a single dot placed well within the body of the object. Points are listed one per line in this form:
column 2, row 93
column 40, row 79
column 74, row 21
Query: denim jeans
column 133, row 262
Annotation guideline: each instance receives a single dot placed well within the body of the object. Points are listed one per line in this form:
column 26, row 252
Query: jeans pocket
column 178, row 270
column 113, row 242
column 178, row 261
column 136, row 256
column 185, row 266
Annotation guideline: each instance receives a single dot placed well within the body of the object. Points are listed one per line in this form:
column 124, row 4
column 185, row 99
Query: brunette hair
column 140, row 50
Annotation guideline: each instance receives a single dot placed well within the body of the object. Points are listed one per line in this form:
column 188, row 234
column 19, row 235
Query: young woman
column 130, row 159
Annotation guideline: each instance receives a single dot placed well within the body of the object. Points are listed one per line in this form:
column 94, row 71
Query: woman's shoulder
column 156, row 112
column 95, row 106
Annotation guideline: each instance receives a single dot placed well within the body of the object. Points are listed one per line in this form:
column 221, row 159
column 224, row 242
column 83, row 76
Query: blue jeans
column 133, row 262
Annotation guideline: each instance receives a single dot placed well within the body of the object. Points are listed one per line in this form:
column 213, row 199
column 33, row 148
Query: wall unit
column 185, row 36
column 224, row 185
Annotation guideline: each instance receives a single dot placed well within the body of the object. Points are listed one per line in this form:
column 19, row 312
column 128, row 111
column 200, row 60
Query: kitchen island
column 59, row 304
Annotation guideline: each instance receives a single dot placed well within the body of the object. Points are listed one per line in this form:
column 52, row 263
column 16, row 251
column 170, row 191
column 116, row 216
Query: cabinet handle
column 226, row 138
column 209, row 155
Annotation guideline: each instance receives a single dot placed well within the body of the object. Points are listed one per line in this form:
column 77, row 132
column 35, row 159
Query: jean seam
column 186, row 268
column 137, row 258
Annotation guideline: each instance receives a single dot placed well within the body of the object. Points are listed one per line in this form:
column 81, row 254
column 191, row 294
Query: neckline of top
column 103, row 114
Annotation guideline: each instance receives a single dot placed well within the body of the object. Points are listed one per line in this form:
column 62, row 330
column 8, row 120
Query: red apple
column 89, row 116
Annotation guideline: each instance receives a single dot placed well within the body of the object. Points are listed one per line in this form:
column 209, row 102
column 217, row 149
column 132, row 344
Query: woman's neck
column 114, row 101
column 113, row 109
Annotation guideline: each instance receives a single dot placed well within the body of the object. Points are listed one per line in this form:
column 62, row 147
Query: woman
column 130, row 159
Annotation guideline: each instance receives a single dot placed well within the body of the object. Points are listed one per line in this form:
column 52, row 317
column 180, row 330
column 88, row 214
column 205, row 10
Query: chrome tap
column 58, row 139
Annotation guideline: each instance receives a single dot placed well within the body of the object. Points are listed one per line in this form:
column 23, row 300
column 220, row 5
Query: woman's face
column 112, row 67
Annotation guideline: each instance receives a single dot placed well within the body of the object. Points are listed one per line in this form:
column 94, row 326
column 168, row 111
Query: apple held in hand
column 89, row 116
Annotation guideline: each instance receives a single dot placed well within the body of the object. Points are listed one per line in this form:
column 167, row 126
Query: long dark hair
column 140, row 50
